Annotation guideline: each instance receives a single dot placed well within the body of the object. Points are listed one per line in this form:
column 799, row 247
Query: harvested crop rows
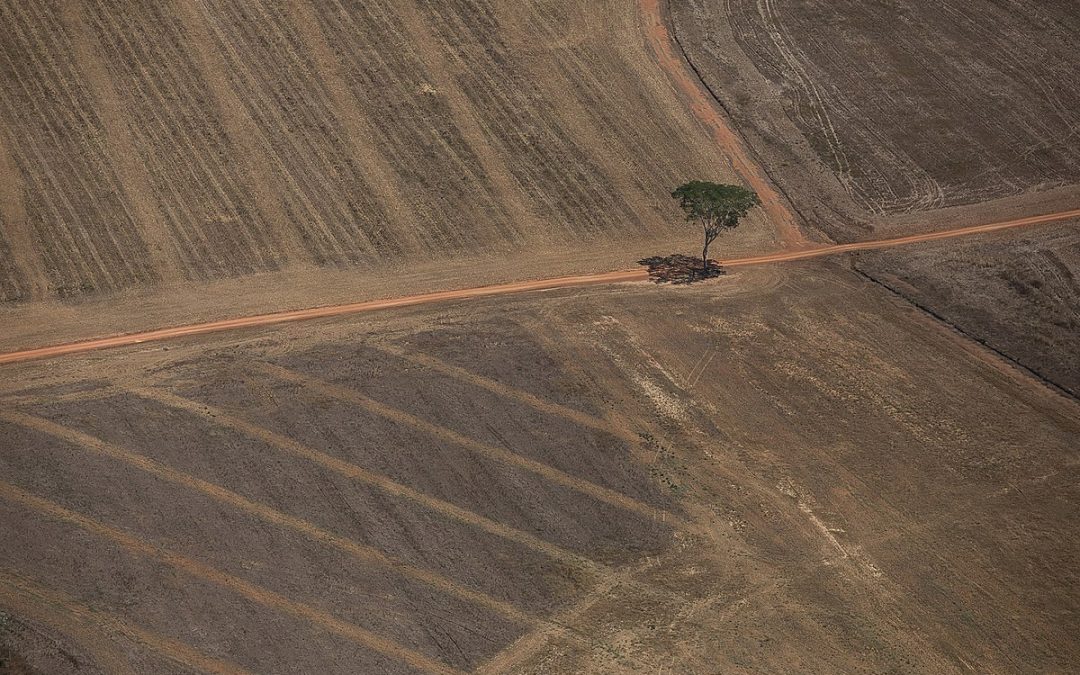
column 540, row 153
column 383, row 487
column 186, row 142
column 12, row 283
column 911, row 108
column 73, row 199
column 326, row 193
column 209, row 211
column 442, row 177
column 1018, row 293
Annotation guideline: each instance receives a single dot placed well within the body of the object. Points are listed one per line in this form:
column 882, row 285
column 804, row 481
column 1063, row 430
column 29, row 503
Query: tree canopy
column 716, row 207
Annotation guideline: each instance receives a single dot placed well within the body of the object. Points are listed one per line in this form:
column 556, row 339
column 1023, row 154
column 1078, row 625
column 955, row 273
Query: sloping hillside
column 178, row 142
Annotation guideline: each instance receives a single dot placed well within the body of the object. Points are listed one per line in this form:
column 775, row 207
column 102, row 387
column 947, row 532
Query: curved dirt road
column 703, row 106
column 500, row 289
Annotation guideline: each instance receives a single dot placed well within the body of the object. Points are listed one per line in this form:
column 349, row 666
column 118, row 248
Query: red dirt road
column 499, row 289
column 704, row 108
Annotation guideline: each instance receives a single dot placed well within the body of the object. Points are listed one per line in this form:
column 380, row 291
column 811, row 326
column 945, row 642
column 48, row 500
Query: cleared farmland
column 875, row 109
column 174, row 143
column 72, row 198
column 12, row 284
column 885, row 118
column 601, row 480
column 1018, row 293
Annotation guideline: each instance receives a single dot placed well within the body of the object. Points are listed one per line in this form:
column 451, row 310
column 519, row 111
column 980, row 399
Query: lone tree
column 716, row 207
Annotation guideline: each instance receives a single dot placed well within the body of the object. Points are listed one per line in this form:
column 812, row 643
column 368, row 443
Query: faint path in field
column 16, row 231
column 226, row 582
column 134, row 179
column 499, row 289
column 299, row 526
column 245, row 136
column 703, row 106
column 54, row 612
column 383, row 483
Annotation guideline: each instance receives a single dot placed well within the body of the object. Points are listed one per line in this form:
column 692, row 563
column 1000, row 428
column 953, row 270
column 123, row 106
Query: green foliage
column 715, row 206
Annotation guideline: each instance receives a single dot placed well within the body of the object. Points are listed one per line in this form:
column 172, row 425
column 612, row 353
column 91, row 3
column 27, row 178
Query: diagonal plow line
column 543, row 405
column 251, row 591
column 23, row 399
column 30, row 598
column 364, row 553
column 585, row 487
column 531, row 643
column 376, row 480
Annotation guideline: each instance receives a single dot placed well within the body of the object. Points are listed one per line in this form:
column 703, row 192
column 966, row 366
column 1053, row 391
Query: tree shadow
column 680, row 269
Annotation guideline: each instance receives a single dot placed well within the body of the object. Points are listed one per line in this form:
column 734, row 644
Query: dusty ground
column 782, row 469
column 866, row 110
column 785, row 469
column 51, row 321
column 229, row 138
column 1017, row 292
column 885, row 120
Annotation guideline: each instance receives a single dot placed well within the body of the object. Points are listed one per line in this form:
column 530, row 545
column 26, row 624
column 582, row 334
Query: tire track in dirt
column 31, row 603
column 360, row 552
column 62, row 612
column 529, row 644
column 134, row 179
column 228, row 582
column 703, row 106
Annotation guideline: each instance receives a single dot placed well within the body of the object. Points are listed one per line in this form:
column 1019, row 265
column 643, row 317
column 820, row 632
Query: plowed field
column 878, row 109
column 170, row 143
column 785, row 470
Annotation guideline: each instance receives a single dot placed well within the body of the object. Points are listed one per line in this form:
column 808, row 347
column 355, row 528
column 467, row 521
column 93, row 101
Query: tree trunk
column 705, row 259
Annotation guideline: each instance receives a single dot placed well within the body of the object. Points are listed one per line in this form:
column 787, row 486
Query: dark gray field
column 604, row 480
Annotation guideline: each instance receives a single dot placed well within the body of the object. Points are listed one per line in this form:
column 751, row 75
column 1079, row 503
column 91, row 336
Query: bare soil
column 783, row 469
column 886, row 120
column 1016, row 292
column 170, row 144
column 780, row 469
column 863, row 111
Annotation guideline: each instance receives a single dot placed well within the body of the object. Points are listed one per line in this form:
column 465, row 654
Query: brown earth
column 674, row 268
column 169, row 144
column 782, row 469
column 865, row 111
column 883, row 120
column 1017, row 292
